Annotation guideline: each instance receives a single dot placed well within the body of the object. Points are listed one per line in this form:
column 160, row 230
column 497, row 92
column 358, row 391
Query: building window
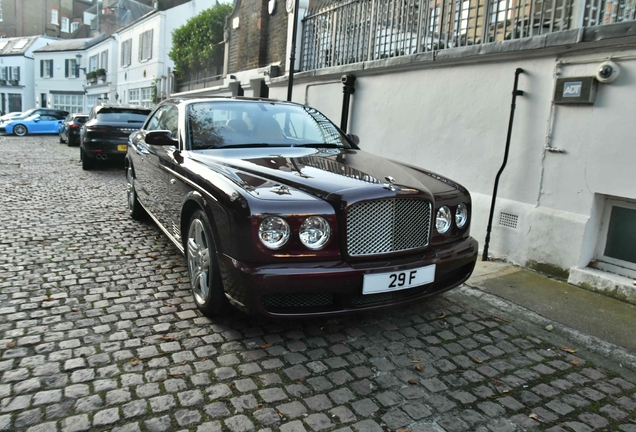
column 91, row 101
column 0, row 10
column 46, row 68
column 133, row 97
column 4, row 74
column 433, row 25
column 74, row 26
column 69, row 102
column 146, row 96
column 103, row 61
column 65, row 24
column 14, row 73
column 616, row 251
column 54, row 16
column 145, row 45
column 70, row 68
column 92, row 63
column 126, row 51
column 500, row 11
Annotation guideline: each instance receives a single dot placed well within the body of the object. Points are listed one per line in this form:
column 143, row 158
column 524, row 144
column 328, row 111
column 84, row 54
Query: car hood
column 294, row 173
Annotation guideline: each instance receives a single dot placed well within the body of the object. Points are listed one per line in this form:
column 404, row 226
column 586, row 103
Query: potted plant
column 91, row 77
column 3, row 82
column 101, row 74
column 14, row 82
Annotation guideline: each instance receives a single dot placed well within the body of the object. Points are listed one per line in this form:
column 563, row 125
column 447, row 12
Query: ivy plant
column 197, row 45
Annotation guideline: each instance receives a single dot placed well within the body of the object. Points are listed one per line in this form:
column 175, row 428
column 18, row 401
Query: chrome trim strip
column 165, row 230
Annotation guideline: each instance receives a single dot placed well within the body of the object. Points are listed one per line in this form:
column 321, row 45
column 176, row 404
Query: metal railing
column 600, row 12
column 337, row 32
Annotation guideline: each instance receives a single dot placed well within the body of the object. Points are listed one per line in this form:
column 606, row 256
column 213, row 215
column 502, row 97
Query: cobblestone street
column 98, row 331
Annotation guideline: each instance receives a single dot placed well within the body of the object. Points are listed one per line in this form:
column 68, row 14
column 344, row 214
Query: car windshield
column 122, row 115
column 81, row 120
column 235, row 124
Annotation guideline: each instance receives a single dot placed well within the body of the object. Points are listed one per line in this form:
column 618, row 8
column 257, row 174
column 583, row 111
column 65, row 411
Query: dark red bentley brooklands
column 280, row 213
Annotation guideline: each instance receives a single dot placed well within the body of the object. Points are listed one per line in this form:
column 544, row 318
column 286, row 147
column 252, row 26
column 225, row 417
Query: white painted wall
column 109, row 87
column 59, row 82
column 453, row 119
column 141, row 74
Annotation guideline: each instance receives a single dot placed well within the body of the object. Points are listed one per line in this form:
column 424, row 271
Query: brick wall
column 260, row 39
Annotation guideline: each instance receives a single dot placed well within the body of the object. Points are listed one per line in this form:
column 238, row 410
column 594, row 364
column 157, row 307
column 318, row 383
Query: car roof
column 126, row 106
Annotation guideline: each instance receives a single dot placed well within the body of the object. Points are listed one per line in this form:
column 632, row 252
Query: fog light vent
column 508, row 220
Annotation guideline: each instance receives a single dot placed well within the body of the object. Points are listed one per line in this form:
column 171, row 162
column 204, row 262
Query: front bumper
column 333, row 288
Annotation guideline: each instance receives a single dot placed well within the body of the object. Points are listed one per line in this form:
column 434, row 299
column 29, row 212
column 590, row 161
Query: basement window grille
column 508, row 220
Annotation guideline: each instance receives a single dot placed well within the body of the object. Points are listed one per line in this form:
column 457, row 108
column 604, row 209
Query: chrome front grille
column 388, row 225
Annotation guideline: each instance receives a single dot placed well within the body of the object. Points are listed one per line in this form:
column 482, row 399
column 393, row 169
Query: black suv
column 105, row 135
column 70, row 129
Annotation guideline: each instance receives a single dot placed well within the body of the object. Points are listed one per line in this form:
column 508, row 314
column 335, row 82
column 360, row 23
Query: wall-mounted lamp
column 78, row 59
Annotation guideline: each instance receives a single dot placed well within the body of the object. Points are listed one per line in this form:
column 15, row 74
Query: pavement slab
column 99, row 331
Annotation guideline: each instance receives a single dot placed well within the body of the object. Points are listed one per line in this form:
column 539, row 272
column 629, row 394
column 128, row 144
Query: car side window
column 165, row 118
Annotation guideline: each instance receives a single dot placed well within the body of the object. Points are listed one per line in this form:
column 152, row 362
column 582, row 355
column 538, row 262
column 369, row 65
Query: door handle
column 173, row 181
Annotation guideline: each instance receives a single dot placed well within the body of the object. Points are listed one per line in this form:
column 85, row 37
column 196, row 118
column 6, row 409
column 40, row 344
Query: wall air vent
column 508, row 220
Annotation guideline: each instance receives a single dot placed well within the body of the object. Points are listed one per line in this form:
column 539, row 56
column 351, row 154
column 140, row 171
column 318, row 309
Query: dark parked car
column 70, row 129
column 58, row 114
column 280, row 213
column 104, row 136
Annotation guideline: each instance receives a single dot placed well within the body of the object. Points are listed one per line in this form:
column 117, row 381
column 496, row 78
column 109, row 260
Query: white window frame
column 91, row 101
column 48, row 68
column 93, row 63
column 604, row 262
column 126, row 53
column 145, row 96
column 503, row 13
column 103, row 60
column 74, row 26
column 55, row 16
column 145, row 45
column 13, row 71
column 65, row 25
column 133, row 96
column 72, row 67
column 69, row 102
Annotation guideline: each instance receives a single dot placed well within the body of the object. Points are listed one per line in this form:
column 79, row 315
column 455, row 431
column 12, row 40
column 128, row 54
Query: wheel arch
column 195, row 201
column 26, row 129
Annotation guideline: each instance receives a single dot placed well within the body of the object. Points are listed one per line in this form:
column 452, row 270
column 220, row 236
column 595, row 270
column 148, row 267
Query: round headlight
column 315, row 232
column 443, row 220
column 274, row 232
column 461, row 215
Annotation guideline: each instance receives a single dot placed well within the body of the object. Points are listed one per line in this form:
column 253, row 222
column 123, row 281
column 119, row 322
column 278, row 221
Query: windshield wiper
column 250, row 145
column 318, row 145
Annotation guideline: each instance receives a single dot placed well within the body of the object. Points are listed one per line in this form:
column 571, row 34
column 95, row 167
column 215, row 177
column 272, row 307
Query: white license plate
column 399, row 280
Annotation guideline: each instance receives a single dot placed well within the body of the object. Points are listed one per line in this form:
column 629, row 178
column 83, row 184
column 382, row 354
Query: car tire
column 135, row 209
column 20, row 130
column 87, row 163
column 203, row 267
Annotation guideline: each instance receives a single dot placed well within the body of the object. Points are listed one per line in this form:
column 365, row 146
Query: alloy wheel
column 20, row 130
column 199, row 261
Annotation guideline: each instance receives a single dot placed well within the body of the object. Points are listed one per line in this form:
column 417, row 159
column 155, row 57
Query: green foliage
column 153, row 91
column 196, row 46
column 100, row 72
column 91, row 75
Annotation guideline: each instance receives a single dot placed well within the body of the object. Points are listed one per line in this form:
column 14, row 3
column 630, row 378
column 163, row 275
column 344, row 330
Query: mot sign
column 575, row 90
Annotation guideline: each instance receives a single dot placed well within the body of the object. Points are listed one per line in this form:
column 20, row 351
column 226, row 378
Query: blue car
column 35, row 124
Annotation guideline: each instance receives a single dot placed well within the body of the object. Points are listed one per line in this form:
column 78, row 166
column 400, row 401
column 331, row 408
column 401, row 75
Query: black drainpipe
column 347, row 89
column 515, row 93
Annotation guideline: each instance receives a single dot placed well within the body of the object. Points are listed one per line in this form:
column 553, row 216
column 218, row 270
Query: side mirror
column 354, row 138
column 160, row 138
column 36, row 120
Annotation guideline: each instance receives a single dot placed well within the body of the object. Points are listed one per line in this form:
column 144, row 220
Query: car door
column 49, row 124
column 38, row 124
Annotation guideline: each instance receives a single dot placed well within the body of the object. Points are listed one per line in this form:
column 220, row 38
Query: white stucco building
column 59, row 82
column 143, row 54
column 17, row 72
column 101, row 56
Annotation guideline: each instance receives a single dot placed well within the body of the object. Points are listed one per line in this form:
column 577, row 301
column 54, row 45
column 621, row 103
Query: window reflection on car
column 224, row 124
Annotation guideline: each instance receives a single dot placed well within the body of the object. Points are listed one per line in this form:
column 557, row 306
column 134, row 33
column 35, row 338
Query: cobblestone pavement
column 98, row 331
